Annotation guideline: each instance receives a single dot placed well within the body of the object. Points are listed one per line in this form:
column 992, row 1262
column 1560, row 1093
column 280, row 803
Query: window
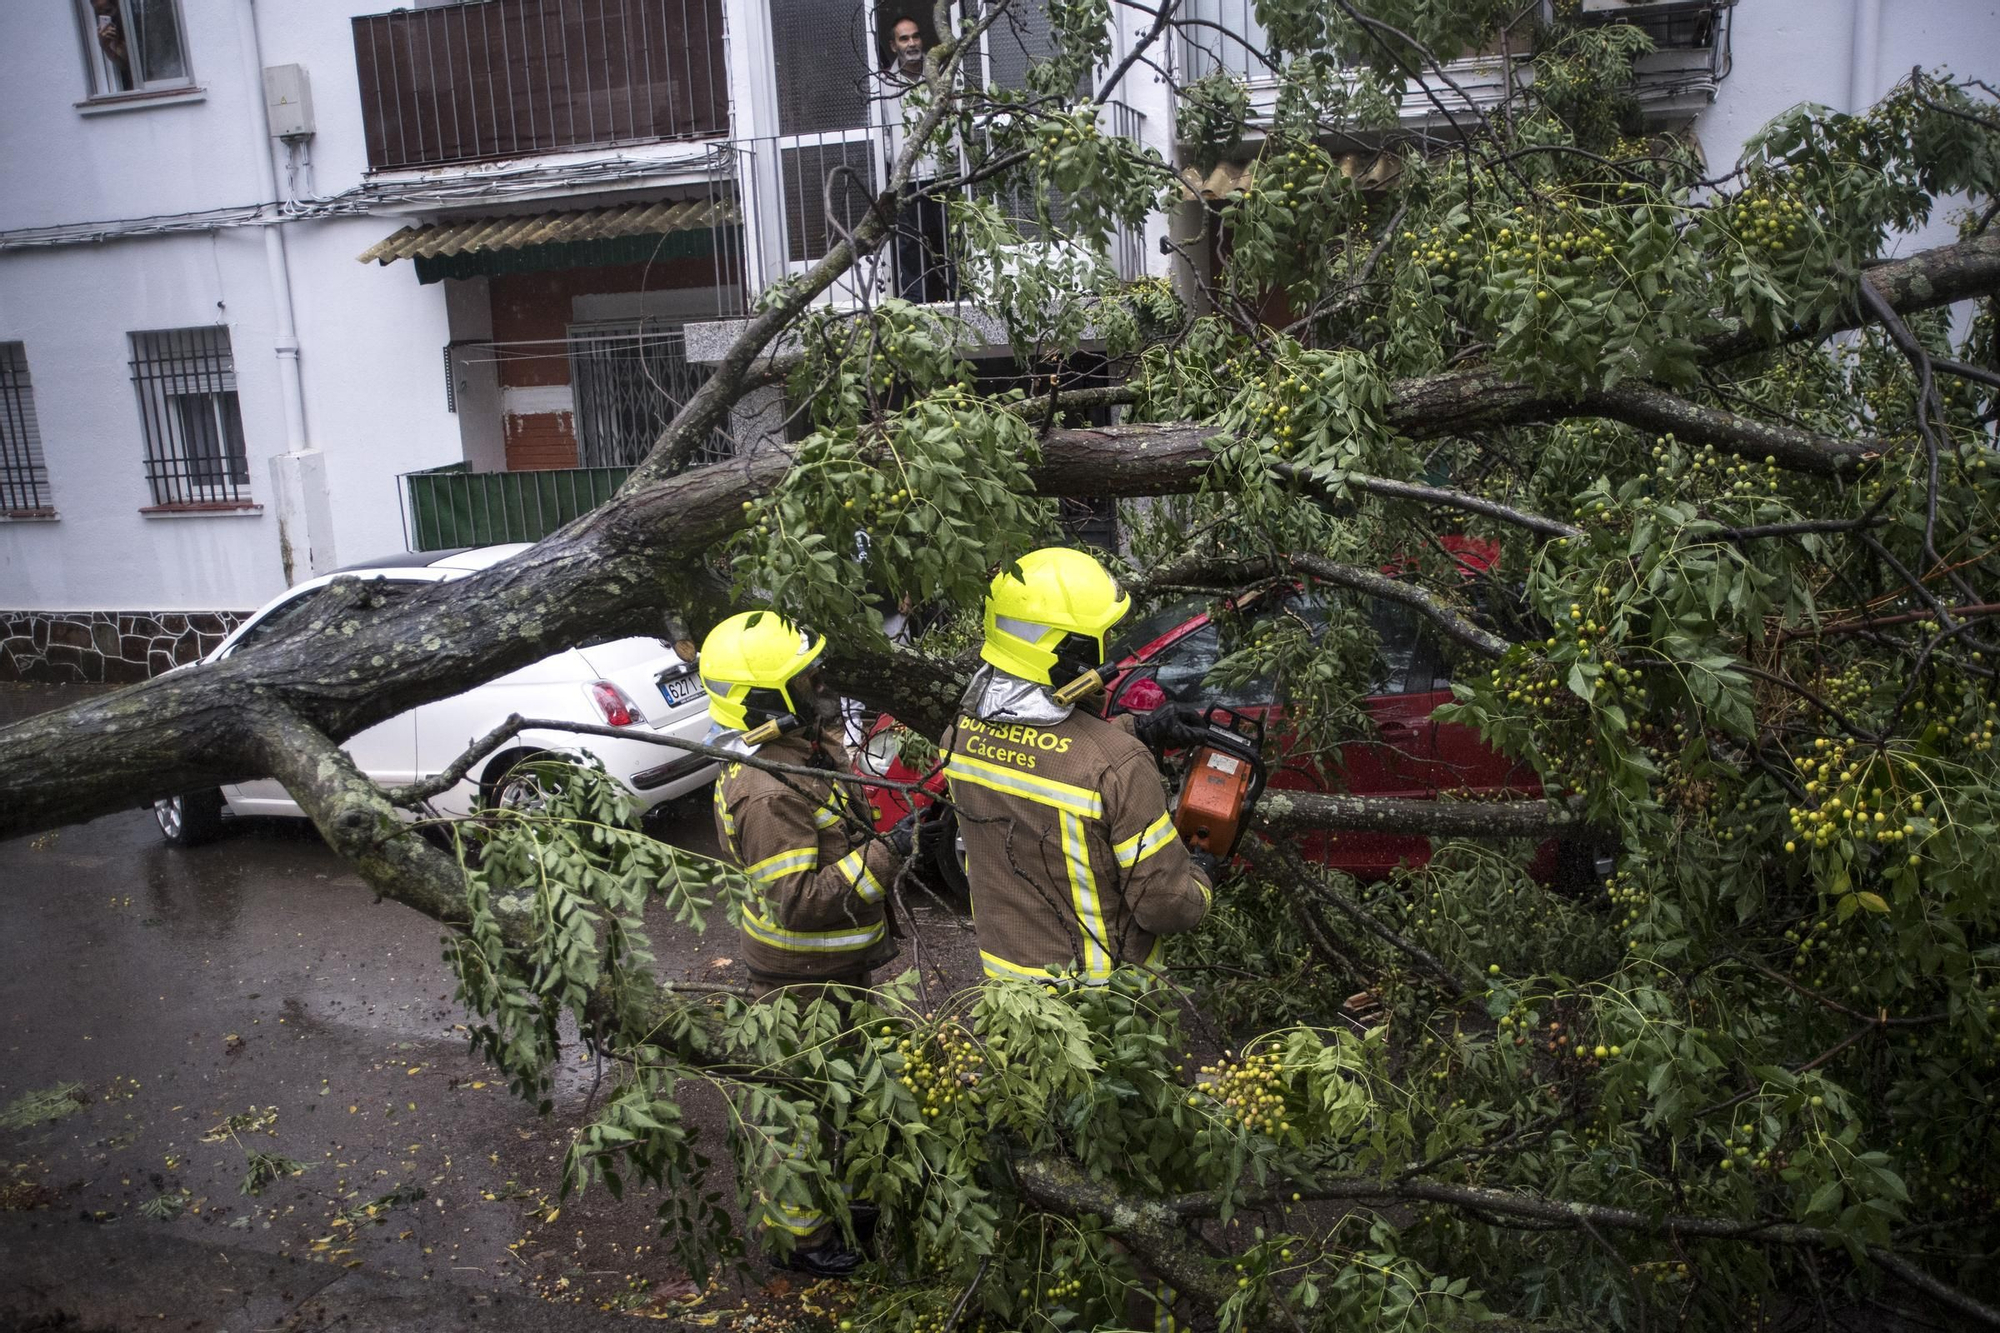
column 630, row 377
column 186, row 380
column 132, row 46
column 24, row 481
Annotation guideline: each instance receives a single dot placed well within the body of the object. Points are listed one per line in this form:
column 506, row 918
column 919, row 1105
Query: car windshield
column 1407, row 658
column 1136, row 634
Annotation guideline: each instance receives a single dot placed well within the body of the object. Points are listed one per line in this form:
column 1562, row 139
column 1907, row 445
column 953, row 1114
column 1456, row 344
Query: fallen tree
column 1736, row 627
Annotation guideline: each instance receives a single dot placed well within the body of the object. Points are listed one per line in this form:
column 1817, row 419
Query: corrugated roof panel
column 517, row 231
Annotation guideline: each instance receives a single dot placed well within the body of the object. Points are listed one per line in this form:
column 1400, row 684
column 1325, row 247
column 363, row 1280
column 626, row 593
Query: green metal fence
column 454, row 506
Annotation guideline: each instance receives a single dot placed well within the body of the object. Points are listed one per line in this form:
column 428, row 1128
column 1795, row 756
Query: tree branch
column 1567, row 1215
column 1287, row 814
column 1454, row 626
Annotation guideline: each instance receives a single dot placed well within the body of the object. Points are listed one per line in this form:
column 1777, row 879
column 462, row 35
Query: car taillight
column 612, row 702
column 882, row 750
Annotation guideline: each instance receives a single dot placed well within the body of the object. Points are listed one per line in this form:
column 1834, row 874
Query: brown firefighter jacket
column 1071, row 855
column 819, row 878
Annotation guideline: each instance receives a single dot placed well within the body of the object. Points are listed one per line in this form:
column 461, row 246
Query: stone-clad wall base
column 108, row 647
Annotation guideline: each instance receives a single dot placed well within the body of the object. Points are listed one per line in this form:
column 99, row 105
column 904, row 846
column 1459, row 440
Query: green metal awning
column 537, row 242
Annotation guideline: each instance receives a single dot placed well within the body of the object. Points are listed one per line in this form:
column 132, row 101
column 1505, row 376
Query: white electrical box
column 288, row 98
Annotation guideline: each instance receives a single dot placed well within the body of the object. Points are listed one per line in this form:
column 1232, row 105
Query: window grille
column 629, row 378
column 132, row 46
column 843, row 170
column 24, row 480
column 820, row 57
column 186, row 382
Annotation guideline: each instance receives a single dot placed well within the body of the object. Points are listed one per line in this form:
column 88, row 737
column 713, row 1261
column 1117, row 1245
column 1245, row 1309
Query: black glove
column 902, row 835
column 1171, row 725
column 1208, row 863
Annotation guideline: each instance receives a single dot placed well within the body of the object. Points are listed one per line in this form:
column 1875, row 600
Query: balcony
column 509, row 78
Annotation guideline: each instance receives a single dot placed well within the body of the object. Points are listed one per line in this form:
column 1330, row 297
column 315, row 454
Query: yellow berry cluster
column 1251, row 1091
column 1275, row 413
column 1054, row 1292
column 934, row 1321
column 1291, row 176
column 1625, row 893
column 1742, row 1148
column 1532, row 682
column 1708, row 473
column 1830, row 959
column 1060, row 132
column 942, row 1069
column 1762, row 218
column 1837, row 807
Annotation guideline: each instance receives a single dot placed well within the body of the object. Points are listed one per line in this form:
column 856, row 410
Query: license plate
column 680, row 689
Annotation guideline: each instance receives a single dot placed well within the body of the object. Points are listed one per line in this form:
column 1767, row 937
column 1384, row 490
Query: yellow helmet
column 1055, row 612
column 747, row 662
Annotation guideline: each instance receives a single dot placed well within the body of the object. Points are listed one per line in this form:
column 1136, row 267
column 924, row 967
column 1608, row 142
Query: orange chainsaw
column 1225, row 776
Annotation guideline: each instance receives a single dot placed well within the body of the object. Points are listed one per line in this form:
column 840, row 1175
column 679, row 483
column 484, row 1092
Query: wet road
column 257, row 978
column 171, row 989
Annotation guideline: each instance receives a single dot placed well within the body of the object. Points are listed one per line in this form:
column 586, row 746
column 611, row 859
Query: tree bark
column 1286, row 814
column 615, row 571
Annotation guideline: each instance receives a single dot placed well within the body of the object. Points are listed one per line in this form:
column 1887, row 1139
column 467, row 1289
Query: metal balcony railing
column 508, row 78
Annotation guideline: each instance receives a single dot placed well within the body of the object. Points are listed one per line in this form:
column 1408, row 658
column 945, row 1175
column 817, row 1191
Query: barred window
column 133, row 46
column 24, row 480
column 186, row 380
column 630, row 377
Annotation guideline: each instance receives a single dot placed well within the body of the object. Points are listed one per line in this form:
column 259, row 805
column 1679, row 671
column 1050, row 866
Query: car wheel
column 190, row 819
column 527, row 785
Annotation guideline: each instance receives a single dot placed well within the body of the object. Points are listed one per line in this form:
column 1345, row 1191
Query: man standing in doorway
column 922, row 250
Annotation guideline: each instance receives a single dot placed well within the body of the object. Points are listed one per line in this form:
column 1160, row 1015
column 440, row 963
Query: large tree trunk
column 617, row 570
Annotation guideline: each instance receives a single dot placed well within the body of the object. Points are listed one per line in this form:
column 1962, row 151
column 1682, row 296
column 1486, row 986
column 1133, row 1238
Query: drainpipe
column 305, row 528
column 1865, row 54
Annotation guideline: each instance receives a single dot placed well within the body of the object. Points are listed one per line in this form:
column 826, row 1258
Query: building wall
column 372, row 339
column 1791, row 51
column 372, row 364
column 531, row 316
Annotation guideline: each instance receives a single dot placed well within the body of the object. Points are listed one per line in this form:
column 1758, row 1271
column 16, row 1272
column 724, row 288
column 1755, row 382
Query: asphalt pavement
column 237, row 1093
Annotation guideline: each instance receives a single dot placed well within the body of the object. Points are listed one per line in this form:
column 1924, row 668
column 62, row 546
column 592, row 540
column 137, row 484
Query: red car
column 1168, row 654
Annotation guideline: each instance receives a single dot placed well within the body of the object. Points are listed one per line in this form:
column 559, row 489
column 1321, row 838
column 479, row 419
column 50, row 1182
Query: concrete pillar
column 305, row 516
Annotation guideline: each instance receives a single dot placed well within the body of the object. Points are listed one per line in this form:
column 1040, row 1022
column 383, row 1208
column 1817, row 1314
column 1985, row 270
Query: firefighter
column 1071, row 856
column 818, row 919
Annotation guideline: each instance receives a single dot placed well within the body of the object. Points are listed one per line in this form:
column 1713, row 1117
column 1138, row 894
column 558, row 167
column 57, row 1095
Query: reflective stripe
column 1083, row 895
column 1043, row 791
column 1145, row 842
column 997, row 966
column 1207, row 894
column 783, row 864
column 1002, row 970
column 853, row 867
column 1022, row 629
column 798, row 1221
column 830, row 810
column 809, row 941
column 722, row 811
column 1163, row 1315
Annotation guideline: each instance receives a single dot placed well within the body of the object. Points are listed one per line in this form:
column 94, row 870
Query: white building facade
column 204, row 396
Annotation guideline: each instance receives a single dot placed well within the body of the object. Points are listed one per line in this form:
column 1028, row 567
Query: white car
column 642, row 684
